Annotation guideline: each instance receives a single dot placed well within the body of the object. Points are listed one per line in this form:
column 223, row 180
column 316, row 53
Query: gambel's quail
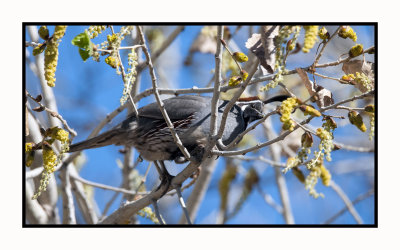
column 190, row 115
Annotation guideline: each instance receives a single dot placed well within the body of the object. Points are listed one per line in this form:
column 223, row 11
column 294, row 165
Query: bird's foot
column 165, row 184
column 198, row 153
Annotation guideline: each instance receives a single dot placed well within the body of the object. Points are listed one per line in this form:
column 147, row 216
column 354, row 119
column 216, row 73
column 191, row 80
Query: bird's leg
column 164, row 175
column 198, row 153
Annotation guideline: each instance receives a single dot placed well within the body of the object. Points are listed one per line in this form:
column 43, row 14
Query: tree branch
column 122, row 214
column 354, row 202
column 54, row 114
column 346, row 201
column 68, row 201
column 158, row 98
column 217, row 83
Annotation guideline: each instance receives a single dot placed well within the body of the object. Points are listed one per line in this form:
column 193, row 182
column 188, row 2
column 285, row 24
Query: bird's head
column 253, row 107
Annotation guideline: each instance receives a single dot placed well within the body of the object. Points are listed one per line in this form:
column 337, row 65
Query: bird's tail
column 278, row 98
column 107, row 138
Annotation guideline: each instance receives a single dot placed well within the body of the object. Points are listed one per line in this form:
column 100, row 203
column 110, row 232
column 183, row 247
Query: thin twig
column 354, row 202
column 108, row 205
column 68, row 201
column 123, row 213
column 230, row 53
column 217, row 84
column 178, row 142
column 354, row 148
column 54, row 114
column 324, row 46
column 372, row 92
column 35, row 213
column 259, row 158
column 342, row 60
column 157, row 212
column 31, row 44
column 126, row 47
column 143, row 180
column 349, row 109
column 328, row 77
column 198, row 192
column 269, row 200
column 305, row 128
column 85, row 205
column 230, row 104
column 106, row 187
column 276, row 150
column 260, row 145
column 183, row 205
column 346, row 201
column 241, row 135
column 166, row 43
column 286, row 89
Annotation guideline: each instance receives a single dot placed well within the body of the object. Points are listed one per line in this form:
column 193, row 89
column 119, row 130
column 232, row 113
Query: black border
column 374, row 225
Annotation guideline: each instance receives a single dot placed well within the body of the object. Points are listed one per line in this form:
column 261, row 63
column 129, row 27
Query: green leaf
column 82, row 40
column 85, row 54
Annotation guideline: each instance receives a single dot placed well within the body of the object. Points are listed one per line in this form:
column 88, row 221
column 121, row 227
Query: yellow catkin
column 310, row 37
column 51, row 55
column 356, row 50
column 240, row 57
column 347, row 32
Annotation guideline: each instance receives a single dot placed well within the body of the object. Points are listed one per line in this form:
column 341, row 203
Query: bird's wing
column 178, row 108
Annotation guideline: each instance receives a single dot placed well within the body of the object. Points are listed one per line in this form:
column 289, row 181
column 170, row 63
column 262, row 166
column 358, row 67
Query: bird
column 190, row 115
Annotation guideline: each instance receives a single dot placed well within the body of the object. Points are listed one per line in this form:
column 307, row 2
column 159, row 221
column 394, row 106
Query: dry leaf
column 353, row 66
column 38, row 109
column 324, row 96
column 38, row 98
column 265, row 53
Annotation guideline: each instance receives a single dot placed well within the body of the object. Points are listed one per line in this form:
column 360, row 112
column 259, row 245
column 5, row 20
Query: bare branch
column 166, row 43
column 259, row 158
column 324, row 46
column 241, row 135
column 85, row 205
column 106, row 187
column 260, row 145
column 372, row 92
column 354, row 148
column 143, row 180
column 354, row 202
column 54, row 114
column 35, row 213
column 217, row 83
column 269, row 200
column 158, row 98
column 68, row 201
column 346, row 201
column 183, row 205
column 231, row 103
column 280, row 179
column 328, row 77
column 157, row 212
column 122, row 214
column 342, row 60
column 199, row 190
